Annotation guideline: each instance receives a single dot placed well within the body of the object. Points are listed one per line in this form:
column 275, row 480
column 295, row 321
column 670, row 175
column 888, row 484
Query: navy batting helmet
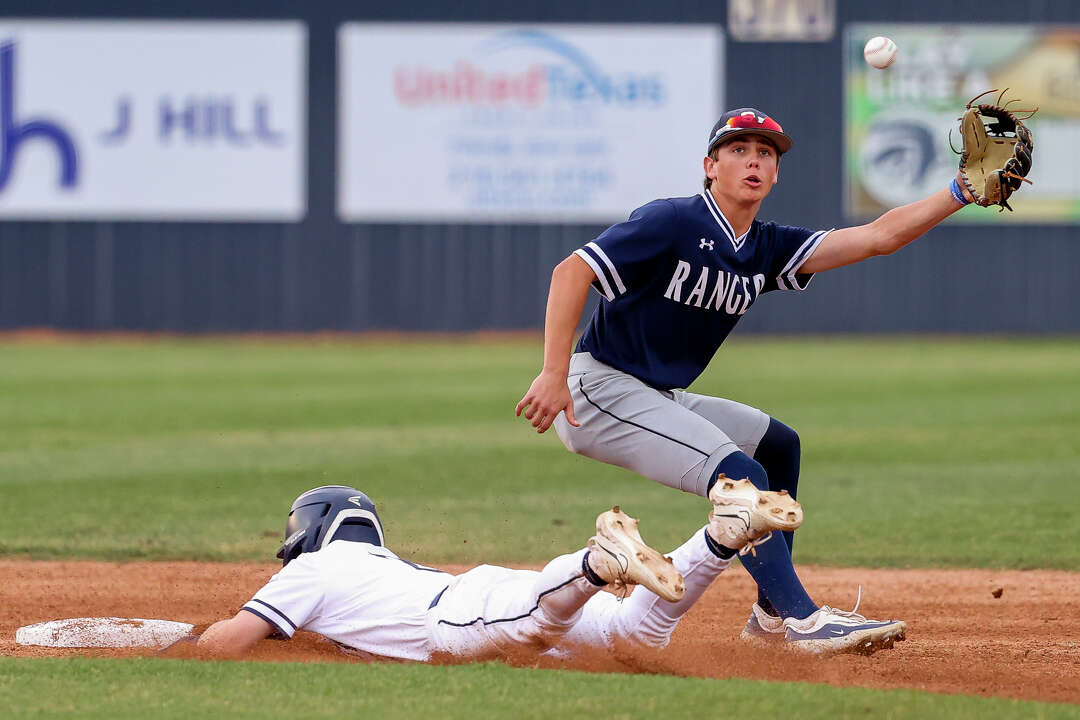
column 330, row 512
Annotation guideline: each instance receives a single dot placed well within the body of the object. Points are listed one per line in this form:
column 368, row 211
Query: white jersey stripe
column 607, row 261
column 272, row 615
column 786, row 280
column 718, row 216
column 606, row 292
column 738, row 242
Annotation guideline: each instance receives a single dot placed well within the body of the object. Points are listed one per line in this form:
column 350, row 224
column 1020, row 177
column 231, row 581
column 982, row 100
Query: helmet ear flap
column 289, row 553
column 292, row 547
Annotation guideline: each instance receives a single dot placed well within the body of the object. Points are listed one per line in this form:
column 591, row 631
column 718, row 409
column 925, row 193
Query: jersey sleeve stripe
column 281, row 619
column 604, row 285
column 610, row 265
column 786, row 280
column 282, row 628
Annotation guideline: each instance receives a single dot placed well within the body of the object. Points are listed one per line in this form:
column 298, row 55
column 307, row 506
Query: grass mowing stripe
column 939, row 452
column 139, row 688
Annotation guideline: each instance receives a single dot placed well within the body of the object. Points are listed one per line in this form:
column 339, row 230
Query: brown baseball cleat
column 618, row 555
column 743, row 516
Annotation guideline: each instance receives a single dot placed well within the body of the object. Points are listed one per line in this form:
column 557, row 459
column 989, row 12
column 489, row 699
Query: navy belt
column 438, row 597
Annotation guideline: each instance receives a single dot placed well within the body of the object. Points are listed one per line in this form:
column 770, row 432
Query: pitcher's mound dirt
column 978, row 632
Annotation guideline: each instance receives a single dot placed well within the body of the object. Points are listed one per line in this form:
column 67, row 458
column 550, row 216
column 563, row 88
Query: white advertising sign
column 153, row 120
column 545, row 123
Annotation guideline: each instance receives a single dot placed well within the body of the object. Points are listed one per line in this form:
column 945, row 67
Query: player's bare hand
column 547, row 397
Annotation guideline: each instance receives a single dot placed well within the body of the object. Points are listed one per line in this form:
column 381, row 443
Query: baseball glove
column 997, row 151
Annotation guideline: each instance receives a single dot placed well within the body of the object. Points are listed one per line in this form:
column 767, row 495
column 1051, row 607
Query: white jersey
column 357, row 594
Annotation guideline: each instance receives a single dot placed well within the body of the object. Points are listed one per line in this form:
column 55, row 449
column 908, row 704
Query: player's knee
column 645, row 639
column 649, row 632
column 780, row 452
column 739, row 465
column 543, row 629
column 780, row 440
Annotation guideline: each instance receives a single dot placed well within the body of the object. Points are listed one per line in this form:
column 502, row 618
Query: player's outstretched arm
column 229, row 638
column 548, row 394
column 887, row 234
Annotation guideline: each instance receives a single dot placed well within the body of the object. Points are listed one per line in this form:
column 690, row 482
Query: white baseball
column 879, row 52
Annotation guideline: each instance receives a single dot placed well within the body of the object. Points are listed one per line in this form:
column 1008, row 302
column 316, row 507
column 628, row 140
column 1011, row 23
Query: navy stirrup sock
column 779, row 452
column 771, row 567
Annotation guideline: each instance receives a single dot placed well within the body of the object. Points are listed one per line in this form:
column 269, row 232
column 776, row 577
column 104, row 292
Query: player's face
column 745, row 168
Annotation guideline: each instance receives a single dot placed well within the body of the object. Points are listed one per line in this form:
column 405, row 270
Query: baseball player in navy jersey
column 675, row 279
column 341, row 581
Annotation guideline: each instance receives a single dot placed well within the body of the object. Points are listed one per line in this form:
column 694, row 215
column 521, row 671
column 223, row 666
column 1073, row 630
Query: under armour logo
column 705, row 244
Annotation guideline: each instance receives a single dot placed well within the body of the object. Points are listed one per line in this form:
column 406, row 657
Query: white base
column 108, row 632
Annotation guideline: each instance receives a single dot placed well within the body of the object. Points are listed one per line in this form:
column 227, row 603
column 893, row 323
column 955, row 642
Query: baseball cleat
column 619, row 556
column 743, row 516
column 829, row 631
column 762, row 628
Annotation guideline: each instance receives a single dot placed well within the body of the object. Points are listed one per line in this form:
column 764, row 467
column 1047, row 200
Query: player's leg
column 784, row 610
column 491, row 611
column 774, row 445
column 626, row 423
column 741, row 514
column 770, row 565
column 674, row 438
column 780, row 592
column 780, row 452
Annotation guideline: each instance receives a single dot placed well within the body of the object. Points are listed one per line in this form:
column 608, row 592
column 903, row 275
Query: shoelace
column 621, row 583
column 850, row 614
column 748, row 548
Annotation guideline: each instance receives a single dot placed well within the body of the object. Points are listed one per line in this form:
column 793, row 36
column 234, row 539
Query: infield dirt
column 973, row 632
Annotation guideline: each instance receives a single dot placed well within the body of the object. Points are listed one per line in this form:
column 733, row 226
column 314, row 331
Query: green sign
column 899, row 121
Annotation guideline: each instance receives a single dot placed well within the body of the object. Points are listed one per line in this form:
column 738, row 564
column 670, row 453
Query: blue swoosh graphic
column 546, row 41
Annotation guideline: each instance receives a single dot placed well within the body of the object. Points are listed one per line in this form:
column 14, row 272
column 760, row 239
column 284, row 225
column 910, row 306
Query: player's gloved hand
column 997, row 151
column 546, row 398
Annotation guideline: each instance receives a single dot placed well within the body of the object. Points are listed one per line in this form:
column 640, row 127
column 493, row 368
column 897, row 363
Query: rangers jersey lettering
column 675, row 281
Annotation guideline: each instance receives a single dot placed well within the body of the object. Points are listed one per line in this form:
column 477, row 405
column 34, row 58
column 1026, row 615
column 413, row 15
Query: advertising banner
column 548, row 123
column 153, row 120
column 899, row 120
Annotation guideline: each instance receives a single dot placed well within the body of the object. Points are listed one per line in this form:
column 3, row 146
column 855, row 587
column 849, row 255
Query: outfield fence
column 274, row 225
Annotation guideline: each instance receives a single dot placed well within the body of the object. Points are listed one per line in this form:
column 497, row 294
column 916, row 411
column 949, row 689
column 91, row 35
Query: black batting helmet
column 330, row 512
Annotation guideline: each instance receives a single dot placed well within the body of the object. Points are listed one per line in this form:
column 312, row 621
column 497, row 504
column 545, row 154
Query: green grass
column 928, row 452
column 171, row 688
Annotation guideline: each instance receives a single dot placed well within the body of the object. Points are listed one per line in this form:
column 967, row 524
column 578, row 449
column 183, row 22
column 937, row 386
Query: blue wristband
column 957, row 193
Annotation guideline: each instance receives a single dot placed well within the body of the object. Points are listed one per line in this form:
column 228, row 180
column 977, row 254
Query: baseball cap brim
column 783, row 142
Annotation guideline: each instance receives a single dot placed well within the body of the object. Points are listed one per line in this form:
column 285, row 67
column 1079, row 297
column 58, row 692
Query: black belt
column 437, row 598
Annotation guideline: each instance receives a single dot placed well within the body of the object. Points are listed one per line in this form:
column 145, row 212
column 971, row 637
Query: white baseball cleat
column 762, row 628
column 618, row 555
column 829, row 631
column 743, row 516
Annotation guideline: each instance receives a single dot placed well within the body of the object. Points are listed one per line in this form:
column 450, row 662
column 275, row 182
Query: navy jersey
column 676, row 279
